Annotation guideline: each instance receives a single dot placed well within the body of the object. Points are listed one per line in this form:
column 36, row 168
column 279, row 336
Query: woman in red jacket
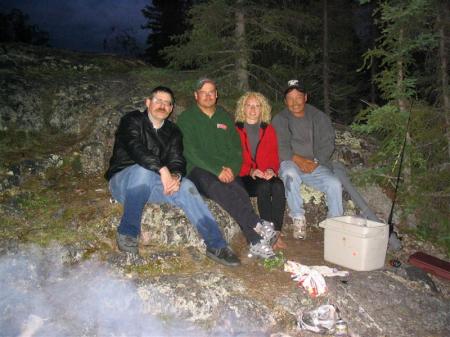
column 260, row 162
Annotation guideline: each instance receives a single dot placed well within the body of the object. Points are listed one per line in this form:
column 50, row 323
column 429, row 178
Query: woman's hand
column 269, row 174
column 256, row 173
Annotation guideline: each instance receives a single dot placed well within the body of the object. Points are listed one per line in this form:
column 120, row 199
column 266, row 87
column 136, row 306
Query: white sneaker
column 299, row 227
column 261, row 250
column 266, row 230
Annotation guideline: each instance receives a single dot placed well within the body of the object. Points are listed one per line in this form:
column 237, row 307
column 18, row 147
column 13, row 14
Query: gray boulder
column 168, row 225
column 20, row 104
column 71, row 104
column 206, row 298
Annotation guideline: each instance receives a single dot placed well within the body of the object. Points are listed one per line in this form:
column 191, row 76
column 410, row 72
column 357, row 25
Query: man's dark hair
column 163, row 89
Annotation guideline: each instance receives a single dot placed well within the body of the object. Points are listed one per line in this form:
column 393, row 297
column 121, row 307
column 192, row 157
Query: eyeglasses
column 254, row 106
column 160, row 101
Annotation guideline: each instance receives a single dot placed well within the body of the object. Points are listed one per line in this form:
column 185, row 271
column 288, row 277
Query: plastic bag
column 311, row 280
column 321, row 320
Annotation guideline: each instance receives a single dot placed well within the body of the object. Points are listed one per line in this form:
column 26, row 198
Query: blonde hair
column 265, row 107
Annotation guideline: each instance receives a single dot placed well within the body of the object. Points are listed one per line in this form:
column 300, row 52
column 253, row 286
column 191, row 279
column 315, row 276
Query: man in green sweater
column 212, row 149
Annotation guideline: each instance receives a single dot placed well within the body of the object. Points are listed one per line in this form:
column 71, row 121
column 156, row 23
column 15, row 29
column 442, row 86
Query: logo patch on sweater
column 222, row 126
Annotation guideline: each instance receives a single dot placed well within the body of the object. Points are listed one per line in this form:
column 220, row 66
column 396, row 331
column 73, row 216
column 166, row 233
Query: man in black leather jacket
column 147, row 166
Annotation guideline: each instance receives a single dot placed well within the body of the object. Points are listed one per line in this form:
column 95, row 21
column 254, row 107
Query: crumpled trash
column 321, row 320
column 308, row 278
column 312, row 278
column 296, row 268
column 330, row 272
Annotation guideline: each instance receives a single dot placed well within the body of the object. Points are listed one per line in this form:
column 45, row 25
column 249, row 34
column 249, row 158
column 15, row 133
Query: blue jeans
column 321, row 179
column 136, row 186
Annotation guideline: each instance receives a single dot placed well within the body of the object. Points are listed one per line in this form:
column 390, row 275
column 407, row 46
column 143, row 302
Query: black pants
column 232, row 197
column 270, row 198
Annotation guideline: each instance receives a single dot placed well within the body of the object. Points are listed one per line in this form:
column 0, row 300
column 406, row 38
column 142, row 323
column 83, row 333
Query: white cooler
column 355, row 243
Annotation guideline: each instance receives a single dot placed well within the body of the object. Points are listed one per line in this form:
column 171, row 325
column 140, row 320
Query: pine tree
column 244, row 43
column 165, row 19
column 122, row 42
column 397, row 44
column 14, row 27
column 411, row 110
column 443, row 28
column 342, row 85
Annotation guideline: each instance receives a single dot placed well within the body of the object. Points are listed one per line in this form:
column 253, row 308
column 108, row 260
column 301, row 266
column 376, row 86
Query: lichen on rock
column 168, row 225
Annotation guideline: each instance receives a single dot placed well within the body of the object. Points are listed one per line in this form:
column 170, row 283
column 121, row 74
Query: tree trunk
column 374, row 62
column 443, row 15
column 373, row 74
column 325, row 69
column 402, row 104
column 242, row 56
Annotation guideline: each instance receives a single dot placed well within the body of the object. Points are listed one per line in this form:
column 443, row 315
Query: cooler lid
column 354, row 225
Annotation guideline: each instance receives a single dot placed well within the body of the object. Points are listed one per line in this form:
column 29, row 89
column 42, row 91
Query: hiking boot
column 224, row 256
column 299, row 227
column 261, row 249
column 127, row 244
column 279, row 243
column 266, row 231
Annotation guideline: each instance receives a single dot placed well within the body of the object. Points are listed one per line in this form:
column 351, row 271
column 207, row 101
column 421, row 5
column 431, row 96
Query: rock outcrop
column 168, row 225
column 208, row 298
column 84, row 98
column 87, row 287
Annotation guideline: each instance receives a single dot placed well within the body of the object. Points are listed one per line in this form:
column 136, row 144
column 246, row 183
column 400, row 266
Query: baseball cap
column 294, row 84
column 202, row 81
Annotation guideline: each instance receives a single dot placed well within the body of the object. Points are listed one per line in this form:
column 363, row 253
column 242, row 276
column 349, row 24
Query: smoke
column 40, row 296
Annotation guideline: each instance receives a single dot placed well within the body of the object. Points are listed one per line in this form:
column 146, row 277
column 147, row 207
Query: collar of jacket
column 146, row 117
column 240, row 125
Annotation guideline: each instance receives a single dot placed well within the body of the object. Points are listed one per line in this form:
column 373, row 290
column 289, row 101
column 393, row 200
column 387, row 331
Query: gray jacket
column 322, row 134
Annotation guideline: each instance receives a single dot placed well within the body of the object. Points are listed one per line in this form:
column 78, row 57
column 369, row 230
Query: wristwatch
column 177, row 175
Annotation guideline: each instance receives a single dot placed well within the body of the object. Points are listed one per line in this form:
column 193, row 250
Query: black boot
column 224, row 256
column 127, row 244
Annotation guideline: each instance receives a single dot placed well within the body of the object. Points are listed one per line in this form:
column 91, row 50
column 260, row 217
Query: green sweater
column 210, row 143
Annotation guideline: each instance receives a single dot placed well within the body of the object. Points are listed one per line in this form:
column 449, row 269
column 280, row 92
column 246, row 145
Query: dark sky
column 82, row 24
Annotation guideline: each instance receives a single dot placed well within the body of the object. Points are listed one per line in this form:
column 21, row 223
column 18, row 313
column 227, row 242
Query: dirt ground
column 393, row 296
column 368, row 300
column 252, row 271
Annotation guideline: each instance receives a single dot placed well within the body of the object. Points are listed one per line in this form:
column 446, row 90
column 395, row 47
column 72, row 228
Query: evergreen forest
column 379, row 66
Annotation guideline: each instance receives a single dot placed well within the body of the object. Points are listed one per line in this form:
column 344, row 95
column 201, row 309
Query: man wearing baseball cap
column 212, row 148
column 306, row 143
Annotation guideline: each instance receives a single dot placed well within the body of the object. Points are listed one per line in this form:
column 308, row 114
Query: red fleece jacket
column 266, row 151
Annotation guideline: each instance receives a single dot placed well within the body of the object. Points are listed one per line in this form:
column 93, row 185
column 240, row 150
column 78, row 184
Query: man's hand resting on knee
column 304, row 164
column 226, row 175
column 171, row 183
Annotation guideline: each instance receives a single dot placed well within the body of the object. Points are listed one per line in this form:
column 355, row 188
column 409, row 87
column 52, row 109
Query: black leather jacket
column 138, row 142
